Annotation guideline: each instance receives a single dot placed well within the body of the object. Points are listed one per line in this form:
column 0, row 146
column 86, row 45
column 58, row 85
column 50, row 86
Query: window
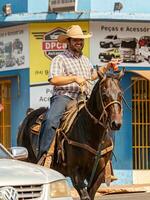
column 62, row 5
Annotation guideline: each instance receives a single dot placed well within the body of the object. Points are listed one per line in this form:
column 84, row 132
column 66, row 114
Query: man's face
column 76, row 44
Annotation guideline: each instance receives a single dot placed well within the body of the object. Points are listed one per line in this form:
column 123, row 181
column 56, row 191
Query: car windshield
column 109, row 37
column 4, row 153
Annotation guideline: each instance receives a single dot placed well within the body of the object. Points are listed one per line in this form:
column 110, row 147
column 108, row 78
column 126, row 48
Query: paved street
column 127, row 192
column 127, row 196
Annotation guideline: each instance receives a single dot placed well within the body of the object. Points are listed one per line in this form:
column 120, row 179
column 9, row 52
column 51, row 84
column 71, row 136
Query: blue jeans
column 57, row 107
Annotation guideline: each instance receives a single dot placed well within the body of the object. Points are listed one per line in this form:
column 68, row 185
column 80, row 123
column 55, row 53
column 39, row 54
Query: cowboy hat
column 73, row 31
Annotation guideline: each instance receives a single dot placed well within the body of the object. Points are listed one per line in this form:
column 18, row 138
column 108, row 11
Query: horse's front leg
column 80, row 186
column 99, row 178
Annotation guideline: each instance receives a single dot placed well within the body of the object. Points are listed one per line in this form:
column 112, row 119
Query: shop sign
column 50, row 45
column 128, row 42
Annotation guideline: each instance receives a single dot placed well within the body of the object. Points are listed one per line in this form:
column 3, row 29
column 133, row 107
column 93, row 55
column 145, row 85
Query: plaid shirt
column 67, row 64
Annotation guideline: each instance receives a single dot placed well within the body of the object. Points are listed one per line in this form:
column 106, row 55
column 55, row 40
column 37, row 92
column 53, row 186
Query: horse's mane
column 93, row 93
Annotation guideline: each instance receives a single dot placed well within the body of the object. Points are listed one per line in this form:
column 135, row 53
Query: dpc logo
column 50, row 45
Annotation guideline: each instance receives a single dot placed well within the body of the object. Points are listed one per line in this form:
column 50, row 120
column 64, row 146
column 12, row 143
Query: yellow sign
column 44, row 47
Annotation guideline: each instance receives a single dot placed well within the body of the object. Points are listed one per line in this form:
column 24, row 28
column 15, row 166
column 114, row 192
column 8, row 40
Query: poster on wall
column 14, row 48
column 129, row 42
column 44, row 47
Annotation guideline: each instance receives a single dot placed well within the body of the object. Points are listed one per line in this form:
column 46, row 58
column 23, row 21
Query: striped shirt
column 67, row 64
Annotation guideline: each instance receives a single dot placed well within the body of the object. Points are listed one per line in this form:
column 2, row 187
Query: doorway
column 5, row 114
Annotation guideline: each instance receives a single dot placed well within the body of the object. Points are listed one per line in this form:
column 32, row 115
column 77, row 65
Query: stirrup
column 41, row 161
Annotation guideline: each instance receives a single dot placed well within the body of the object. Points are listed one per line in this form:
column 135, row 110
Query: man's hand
column 80, row 81
column 113, row 64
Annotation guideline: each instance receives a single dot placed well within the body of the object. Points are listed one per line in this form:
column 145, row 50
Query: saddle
column 70, row 114
column 67, row 120
column 36, row 127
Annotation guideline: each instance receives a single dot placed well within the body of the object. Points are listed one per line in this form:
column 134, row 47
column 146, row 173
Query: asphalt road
column 126, row 196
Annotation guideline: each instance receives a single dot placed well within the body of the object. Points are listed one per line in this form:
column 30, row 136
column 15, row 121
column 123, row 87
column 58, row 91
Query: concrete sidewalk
column 104, row 190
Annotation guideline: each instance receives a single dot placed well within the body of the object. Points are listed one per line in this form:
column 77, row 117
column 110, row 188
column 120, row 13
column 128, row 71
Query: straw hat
column 73, row 31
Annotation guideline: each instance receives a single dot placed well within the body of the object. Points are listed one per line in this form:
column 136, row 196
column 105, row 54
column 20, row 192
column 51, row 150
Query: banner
column 130, row 42
column 44, row 47
column 14, row 48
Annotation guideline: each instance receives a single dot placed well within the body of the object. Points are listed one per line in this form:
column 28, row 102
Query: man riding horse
column 69, row 72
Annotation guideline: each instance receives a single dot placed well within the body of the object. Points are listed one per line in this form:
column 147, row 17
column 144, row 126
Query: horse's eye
column 105, row 95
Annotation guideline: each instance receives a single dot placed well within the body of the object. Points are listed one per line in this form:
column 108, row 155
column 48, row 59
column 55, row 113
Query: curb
column 116, row 189
column 124, row 189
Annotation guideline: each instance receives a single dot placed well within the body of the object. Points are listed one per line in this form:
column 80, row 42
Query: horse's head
column 108, row 99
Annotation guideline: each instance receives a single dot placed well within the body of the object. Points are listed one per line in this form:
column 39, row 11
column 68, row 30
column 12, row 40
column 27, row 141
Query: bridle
column 102, row 120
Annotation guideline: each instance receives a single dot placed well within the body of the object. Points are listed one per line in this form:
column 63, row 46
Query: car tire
column 101, row 45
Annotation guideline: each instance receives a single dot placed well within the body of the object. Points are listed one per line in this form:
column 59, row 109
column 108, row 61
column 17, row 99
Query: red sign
column 50, row 45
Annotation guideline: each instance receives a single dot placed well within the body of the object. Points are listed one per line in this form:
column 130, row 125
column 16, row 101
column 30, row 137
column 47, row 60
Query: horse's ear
column 121, row 73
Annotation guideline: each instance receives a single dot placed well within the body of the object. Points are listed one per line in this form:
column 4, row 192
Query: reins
column 104, row 113
column 125, row 91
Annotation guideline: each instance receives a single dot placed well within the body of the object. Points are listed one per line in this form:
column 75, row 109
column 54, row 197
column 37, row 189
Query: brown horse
column 87, row 145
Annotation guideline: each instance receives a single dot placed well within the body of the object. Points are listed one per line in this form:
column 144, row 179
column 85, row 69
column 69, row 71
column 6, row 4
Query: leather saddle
column 36, row 127
column 70, row 114
column 67, row 120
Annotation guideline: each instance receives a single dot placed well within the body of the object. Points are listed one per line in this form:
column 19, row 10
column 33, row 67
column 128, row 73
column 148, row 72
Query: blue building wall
column 83, row 5
column 122, row 162
column 19, row 98
column 134, row 6
column 34, row 6
column 38, row 6
column 135, row 10
column 17, row 5
column 23, row 6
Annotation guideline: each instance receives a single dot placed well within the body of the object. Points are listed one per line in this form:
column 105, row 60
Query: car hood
column 14, row 172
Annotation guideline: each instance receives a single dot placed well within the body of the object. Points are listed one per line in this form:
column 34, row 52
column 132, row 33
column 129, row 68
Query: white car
column 110, row 41
column 24, row 180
